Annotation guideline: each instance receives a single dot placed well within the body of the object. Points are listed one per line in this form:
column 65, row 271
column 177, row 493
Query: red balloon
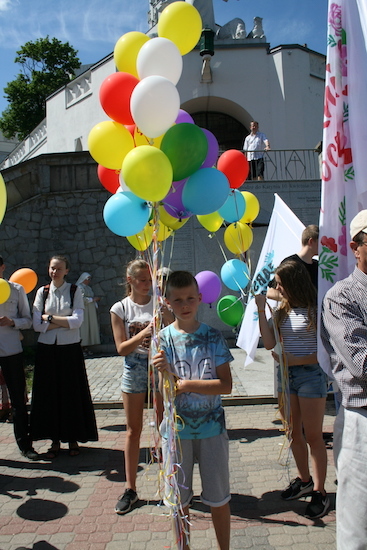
column 131, row 128
column 108, row 178
column 235, row 166
column 114, row 95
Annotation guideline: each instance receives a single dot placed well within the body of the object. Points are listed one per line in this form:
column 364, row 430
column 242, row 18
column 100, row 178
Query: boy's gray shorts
column 212, row 455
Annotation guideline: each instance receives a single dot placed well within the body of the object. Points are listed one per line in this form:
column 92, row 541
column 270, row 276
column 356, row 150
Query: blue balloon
column 235, row 274
column 234, row 207
column 125, row 214
column 205, row 191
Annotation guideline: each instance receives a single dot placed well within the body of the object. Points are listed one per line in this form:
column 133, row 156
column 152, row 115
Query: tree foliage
column 46, row 65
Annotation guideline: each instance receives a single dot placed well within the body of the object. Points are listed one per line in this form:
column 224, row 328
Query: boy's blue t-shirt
column 195, row 357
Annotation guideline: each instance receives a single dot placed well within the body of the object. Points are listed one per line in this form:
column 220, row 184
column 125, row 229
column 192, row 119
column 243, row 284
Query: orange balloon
column 25, row 277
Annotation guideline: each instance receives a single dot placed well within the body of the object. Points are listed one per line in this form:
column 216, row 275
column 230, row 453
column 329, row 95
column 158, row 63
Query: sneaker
column 297, row 488
column 126, row 501
column 31, row 454
column 318, row 506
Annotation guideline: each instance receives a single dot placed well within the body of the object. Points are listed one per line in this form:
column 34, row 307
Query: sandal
column 53, row 451
column 74, row 449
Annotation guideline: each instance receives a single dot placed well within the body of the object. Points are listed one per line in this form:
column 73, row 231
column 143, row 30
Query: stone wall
column 55, row 206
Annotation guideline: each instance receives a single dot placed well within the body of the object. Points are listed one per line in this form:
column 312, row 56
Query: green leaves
column 46, row 65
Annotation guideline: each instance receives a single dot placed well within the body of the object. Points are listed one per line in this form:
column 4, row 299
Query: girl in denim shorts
column 295, row 321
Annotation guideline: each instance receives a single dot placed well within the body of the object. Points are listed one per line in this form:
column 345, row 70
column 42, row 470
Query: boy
column 199, row 357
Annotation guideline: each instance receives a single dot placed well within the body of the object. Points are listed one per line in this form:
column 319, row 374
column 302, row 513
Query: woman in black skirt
column 62, row 408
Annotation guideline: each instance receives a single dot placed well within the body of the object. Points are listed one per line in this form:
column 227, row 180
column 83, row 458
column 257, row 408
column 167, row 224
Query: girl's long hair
column 131, row 270
column 297, row 283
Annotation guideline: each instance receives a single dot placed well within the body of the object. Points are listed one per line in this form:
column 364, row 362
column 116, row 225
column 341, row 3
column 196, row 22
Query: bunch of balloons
column 151, row 154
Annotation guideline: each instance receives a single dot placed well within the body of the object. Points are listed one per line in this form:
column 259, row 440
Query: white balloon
column 123, row 185
column 154, row 105
column 160, row 56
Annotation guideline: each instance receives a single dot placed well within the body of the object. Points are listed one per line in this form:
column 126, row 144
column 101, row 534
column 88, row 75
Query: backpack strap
column 46, row 291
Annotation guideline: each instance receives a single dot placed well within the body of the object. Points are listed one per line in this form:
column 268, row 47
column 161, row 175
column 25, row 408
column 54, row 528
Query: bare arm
column 217, row 386
column 267, row 333
column 125, row 345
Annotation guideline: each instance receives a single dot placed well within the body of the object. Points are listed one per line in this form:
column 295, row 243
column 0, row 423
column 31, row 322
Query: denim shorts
column 135, row 375
column 306, row 381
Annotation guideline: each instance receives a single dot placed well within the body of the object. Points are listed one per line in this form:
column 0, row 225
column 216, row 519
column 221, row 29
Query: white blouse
column 58, row 303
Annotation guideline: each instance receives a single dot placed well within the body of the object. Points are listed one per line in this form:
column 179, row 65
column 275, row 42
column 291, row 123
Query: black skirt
column 62, row 408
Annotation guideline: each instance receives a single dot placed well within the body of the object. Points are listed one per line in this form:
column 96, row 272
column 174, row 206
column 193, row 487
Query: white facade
column 282, row 88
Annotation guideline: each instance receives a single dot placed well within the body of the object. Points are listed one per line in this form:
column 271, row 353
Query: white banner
column 344, row 180
column 283, row 239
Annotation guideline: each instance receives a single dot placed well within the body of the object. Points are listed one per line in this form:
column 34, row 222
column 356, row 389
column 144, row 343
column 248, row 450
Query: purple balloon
column 213, row 149
column 183, row 116
column 173, row 201
column 210, row 286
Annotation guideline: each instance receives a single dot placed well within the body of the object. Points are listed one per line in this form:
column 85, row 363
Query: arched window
column 229, row 132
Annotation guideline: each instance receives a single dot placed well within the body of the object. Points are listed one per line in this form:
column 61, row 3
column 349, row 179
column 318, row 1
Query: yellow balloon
column 212, row 222
column 170, row 221
column 181, row 23
column 252, row 207
column 141, row 241
column 109, row 142
column 4, row 291
column 141, row 139
column 163, row 232
column 238, row 237
column 148, row 173
column 3, row 198
column 126, row 51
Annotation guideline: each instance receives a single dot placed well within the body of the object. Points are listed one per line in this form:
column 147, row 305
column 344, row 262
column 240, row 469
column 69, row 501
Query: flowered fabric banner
column 344, row 167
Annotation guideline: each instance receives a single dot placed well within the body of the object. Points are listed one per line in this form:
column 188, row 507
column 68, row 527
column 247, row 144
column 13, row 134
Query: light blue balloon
column 125, row 214
column 205, row 191
column 234, row 207
column 235, row 274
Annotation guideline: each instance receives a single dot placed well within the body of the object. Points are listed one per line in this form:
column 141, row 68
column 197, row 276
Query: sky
column 93, row 26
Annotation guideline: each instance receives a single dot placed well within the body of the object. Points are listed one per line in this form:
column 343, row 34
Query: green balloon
column 230, row 310
column 186, row 146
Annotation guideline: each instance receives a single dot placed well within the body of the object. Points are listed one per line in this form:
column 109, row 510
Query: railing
column 291, row 165
column 26, row 147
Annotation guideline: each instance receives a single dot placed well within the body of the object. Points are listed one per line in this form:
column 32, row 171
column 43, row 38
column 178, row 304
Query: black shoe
column 31, row 454
column 126, row 501
column 318, row 506
column 297, row 488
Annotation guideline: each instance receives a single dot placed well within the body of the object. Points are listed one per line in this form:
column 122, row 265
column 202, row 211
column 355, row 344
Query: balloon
column 148, row 173
column 114, row 95
column 123, row 186
column 181, row 23
column 160, row 56
column 141, row 139
column 163, row 232
column 234, row 207
column 108, row 178
column 235, row 166
column 235, row 274
column 230, row 310
column 5, row 291
column 205, row 191
column 183, row 116
column 170, row 221
column 109, row 142
column 173, row 201
column 25, row 277
column 252, row 207
column 141, row 241
column 155, row 103
column 3, row 198
column 126, row 51
column 186, row 147
column 209, row 286
column 213, row 149
column 125, row 214
column 238, row 238
column 211, row 222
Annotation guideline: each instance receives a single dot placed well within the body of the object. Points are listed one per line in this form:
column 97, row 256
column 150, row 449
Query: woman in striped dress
column 295, row 322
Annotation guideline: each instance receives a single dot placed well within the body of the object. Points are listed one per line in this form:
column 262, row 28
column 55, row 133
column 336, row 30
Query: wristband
column 261, row 310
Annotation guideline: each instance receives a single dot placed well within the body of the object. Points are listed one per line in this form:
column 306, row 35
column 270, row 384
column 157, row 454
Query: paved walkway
column 68, row 504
